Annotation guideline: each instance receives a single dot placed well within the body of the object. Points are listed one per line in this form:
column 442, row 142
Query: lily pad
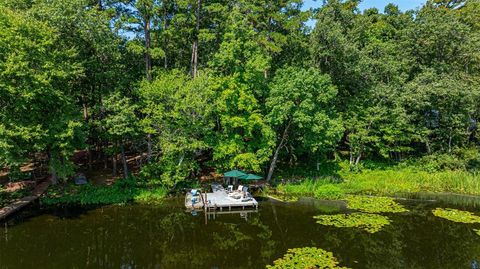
column 456, row 215
column 371, row 223
column 374, row 204
column 308, row 257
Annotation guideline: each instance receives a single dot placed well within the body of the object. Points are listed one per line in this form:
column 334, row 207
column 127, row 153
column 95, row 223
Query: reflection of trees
column 411, row 241
column 231, row 238
column 265, row 239
column 162, row 237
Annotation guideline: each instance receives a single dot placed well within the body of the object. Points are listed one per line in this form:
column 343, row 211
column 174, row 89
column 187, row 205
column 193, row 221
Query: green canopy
column 251, row 177
column 234, row 173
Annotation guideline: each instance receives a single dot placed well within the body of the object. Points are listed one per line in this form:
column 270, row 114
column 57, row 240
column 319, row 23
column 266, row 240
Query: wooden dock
column 22, row 202
column 219, row 199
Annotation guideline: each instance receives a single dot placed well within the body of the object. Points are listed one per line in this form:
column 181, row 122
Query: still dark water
column 165, row 236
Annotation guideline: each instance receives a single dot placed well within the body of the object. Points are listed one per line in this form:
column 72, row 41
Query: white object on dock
column 219, row 199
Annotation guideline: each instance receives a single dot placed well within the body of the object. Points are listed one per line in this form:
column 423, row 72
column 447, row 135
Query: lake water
column 165, row 236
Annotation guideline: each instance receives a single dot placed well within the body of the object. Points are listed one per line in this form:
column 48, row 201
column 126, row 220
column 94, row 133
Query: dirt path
column 20, row 203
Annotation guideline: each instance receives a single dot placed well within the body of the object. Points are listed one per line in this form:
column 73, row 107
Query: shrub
column 155, row 195
column 122, row 191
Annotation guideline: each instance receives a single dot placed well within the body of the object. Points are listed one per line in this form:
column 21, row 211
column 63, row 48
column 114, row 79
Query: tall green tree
column 242, row 139
column 179, row 110
column 302, row 112
column 37, row 110
column 121, row 125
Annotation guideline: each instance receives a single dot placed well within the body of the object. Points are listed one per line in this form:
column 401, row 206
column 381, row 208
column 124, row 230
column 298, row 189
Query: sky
column 379, row 4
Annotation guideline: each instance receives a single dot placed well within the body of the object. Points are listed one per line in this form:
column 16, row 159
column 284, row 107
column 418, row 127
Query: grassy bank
column 122, row 191
column 385, row 182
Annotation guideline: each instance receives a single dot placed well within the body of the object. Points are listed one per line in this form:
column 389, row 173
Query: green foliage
column 236, row 84
column 36, row 109
column 386, row 180
column 305, row 187
column 329, row 191
column 370, row 223
column 374, row 204
column 302, row 111
column 456, row 215
column 307, row 257
column 180, row 116
column 122, row 191
column 243, row 139
column 120, row 121
column 459, row 159
column 408, row 180
column 155, row 195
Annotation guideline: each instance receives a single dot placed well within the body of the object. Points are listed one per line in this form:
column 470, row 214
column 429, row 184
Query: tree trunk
column 148, row 57
column 429, row 150
column 165, row 28
column 277, row 151
column 149, row 147
column 274, row 162
column 359, row 156
column 53, row 172
column 89, row 153
column 449, row 143
column 114, row 164
column 194, row 62
column 194, row 59
column 148, row 71
column 124, row 162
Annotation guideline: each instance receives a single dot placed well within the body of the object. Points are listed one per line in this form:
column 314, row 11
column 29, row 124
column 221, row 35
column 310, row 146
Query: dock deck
column 219, row 199
column 22, row 202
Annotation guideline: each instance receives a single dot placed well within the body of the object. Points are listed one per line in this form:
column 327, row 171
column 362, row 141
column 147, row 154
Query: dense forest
column 187, row 86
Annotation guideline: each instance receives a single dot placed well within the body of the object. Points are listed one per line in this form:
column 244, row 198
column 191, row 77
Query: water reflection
column 166, row 236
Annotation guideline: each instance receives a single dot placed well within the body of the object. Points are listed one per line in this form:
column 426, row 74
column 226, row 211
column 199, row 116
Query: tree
column 121, row 125
column 179, row 110
column 302, row 111
column 242, row 138
column 442, row 107
column 37, row 108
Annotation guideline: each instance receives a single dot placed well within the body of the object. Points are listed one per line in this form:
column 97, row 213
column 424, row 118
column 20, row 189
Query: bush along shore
column 385, row 181
column 121, row 192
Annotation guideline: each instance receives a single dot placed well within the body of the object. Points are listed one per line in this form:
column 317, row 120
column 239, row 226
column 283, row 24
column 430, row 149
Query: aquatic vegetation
column 456, row 215
column 308, row 257
column 477, row 231
column 371, row 223
column 374, row 204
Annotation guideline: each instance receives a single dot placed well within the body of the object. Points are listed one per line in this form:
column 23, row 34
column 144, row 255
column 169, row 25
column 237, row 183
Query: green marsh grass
column 388, row 182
